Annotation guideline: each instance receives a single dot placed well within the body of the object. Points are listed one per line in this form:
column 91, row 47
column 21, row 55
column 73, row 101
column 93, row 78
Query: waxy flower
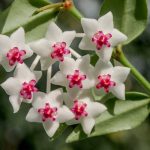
column 49, row 110
column 75, row 75
column 22, row 86
column 54, row 47
column 85, row 111
column 110, row 79
column 13, row 50
column 101, row 36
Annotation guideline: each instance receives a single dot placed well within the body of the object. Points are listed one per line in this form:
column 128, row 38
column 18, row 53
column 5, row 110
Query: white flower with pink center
column 22, row 86
column 54, row 47
column 85, row 111
column 101, row 36
column 110, row 79
column 75, row 75
column 49, row 110
column 13, row 49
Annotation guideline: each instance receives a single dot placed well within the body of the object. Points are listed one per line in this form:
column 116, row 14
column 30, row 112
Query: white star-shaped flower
column 110, row 79
column 54, row 47
column 85, row 111
column 101, row 36
column 49, row 110
column 21, row 87
column 13, row 49
column 75, row 75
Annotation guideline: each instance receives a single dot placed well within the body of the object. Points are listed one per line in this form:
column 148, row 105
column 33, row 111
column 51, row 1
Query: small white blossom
column 21, row 87
column 85, row 111
column 49, row 110
column 54, row 47
column 110, row 79
column 75, row 75
column 13, row 49
column 101, row 36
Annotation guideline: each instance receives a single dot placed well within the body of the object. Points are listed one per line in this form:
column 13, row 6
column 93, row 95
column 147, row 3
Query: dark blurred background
column 17, row 134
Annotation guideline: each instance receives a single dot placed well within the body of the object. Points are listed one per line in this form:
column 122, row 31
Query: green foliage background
column 17, row 134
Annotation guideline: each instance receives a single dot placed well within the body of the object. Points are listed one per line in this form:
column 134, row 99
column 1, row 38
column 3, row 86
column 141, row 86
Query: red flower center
column 59, row 50
column 48, row 112
column 76, row 79
column 79, row 109
column 15, row 55
column 28, row 89
column 105, row 82
column 101, row 39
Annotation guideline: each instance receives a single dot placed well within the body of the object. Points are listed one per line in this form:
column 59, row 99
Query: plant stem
column 119, row 55
column 35, row 62
column 74, row 53
column 56, row 5
column 75, row 12
column 49, row 72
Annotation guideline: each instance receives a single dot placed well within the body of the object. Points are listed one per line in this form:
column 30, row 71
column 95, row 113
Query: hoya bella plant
column 86, row 93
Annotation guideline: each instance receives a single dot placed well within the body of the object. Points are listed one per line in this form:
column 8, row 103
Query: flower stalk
column 119, row 56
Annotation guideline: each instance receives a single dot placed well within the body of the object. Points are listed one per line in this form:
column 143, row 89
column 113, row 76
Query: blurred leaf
column 20, row 14
column 130, row 16
column 121, row 115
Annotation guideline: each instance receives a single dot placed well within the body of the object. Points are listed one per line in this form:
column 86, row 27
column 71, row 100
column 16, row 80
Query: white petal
column 18, row 37
column 105, row 53
column 33, row 116
column 119, row 91
column 64, row 114
column 102, row 67
column 99, row 92
column 46, row 62
column 11, row 86
column 59, row 79
column 55, row 97
column 74, row 92
column 39, row 100
column 68, row 37
column 50, row 127
column 5, row 44
column 87, row 44
column 41, row 47
column 87, row 124
column 120, row 73
column 117, row 37
column 54, row 33
column 106, row 23
column 90, row 26
column 15, row 102
column 29, row 52
column 95, row 109
column 6, row 65
column 72, row 122
column 68, row 66
column 38, row 75
column 23, row 73
column 68, row 100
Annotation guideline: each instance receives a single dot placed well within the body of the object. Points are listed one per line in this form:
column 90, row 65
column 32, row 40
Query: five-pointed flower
column 21, row 87
column 13, row 50
column 49, row 110
column 54, row 47
column 110, row 79
column 76, row 76
column 101, row 36
column 85, row 111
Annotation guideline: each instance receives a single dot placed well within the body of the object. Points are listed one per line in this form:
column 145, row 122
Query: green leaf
column 121, row 115
column 130, row 16
column 21, row 14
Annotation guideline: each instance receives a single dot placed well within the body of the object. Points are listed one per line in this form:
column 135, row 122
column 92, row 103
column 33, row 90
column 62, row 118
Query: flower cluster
column 78, row 76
